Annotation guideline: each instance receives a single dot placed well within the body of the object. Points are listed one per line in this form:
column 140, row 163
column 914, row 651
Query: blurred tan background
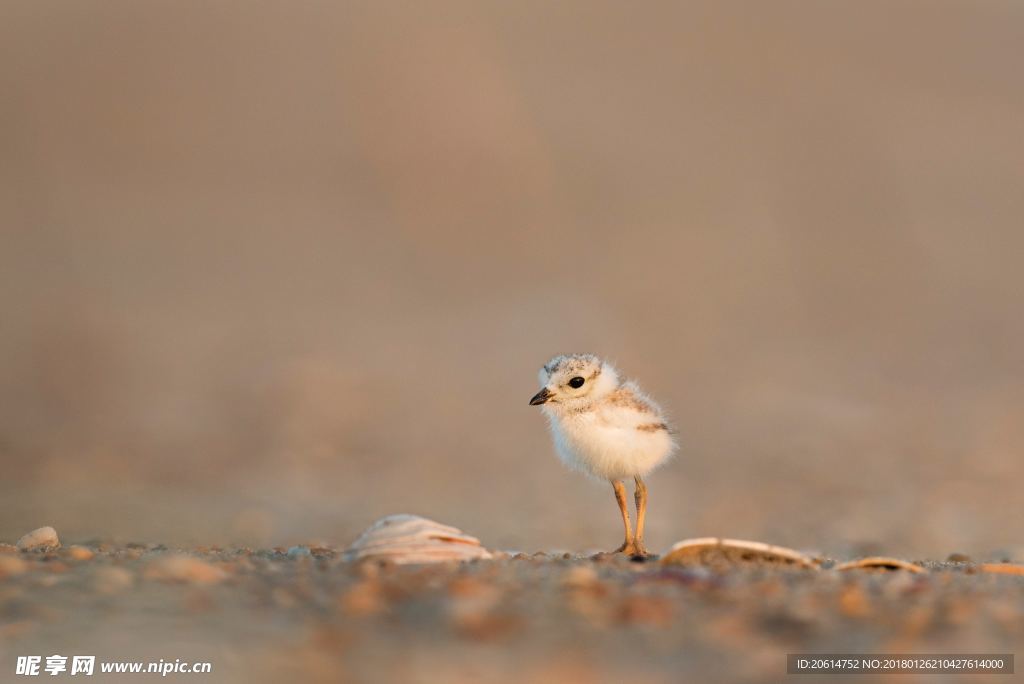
column 271, row 270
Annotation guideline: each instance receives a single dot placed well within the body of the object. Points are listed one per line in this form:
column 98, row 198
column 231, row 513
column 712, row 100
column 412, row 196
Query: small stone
column 283, row 598
column 82, row 553
column 112, row 579
column 199, row 601
column 646, row 610
column 363, row 598
column 854, row 602
column 959, row 558
column 11, row 565
column 471, row 586
column 42, row 538
column 47, row 581
column 184, row 569
column 473, row 611
column 580, row 577
column 299, row 552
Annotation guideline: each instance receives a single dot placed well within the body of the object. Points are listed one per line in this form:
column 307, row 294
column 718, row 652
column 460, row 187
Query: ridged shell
column 407, row 538
column 724, row 553
column 880, row 563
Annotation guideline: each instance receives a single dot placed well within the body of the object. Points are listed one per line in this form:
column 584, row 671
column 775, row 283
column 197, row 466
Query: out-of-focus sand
column 263, row 616
column 269, row 271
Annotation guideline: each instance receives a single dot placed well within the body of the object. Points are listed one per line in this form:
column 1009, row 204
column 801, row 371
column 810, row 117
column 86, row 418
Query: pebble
column 649, row 610
column 363, row 598
column 854, row 601
column 77, row 552
column 184, row 569
column 42, row 538
column 11, row 565
column 472, row 608
column 299, row 551
column 580, row 577
column 47, row 581
column 112, row 579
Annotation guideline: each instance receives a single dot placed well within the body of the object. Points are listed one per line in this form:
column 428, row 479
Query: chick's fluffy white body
column 604, row 427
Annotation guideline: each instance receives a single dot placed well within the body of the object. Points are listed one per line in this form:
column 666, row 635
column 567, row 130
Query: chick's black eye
column 576, row 382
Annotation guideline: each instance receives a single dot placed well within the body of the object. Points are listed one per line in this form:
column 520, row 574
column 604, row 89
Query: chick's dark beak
column 541, row 397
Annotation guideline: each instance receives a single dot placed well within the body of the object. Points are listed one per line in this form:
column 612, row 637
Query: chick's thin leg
column 620, row 497
column 640, row 496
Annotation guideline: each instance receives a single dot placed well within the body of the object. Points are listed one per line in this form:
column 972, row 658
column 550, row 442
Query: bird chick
column 606, row 428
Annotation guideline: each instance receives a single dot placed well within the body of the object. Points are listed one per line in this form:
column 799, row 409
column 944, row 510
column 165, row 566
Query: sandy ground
column 270, row 616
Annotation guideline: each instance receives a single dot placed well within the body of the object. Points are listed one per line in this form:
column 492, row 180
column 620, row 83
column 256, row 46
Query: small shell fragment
column 407, row 538
column 1002, row 568
column 725, row 553
column 880, row 563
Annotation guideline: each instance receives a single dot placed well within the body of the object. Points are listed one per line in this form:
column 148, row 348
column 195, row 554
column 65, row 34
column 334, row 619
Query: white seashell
column 407, row 538
column 718, row 552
